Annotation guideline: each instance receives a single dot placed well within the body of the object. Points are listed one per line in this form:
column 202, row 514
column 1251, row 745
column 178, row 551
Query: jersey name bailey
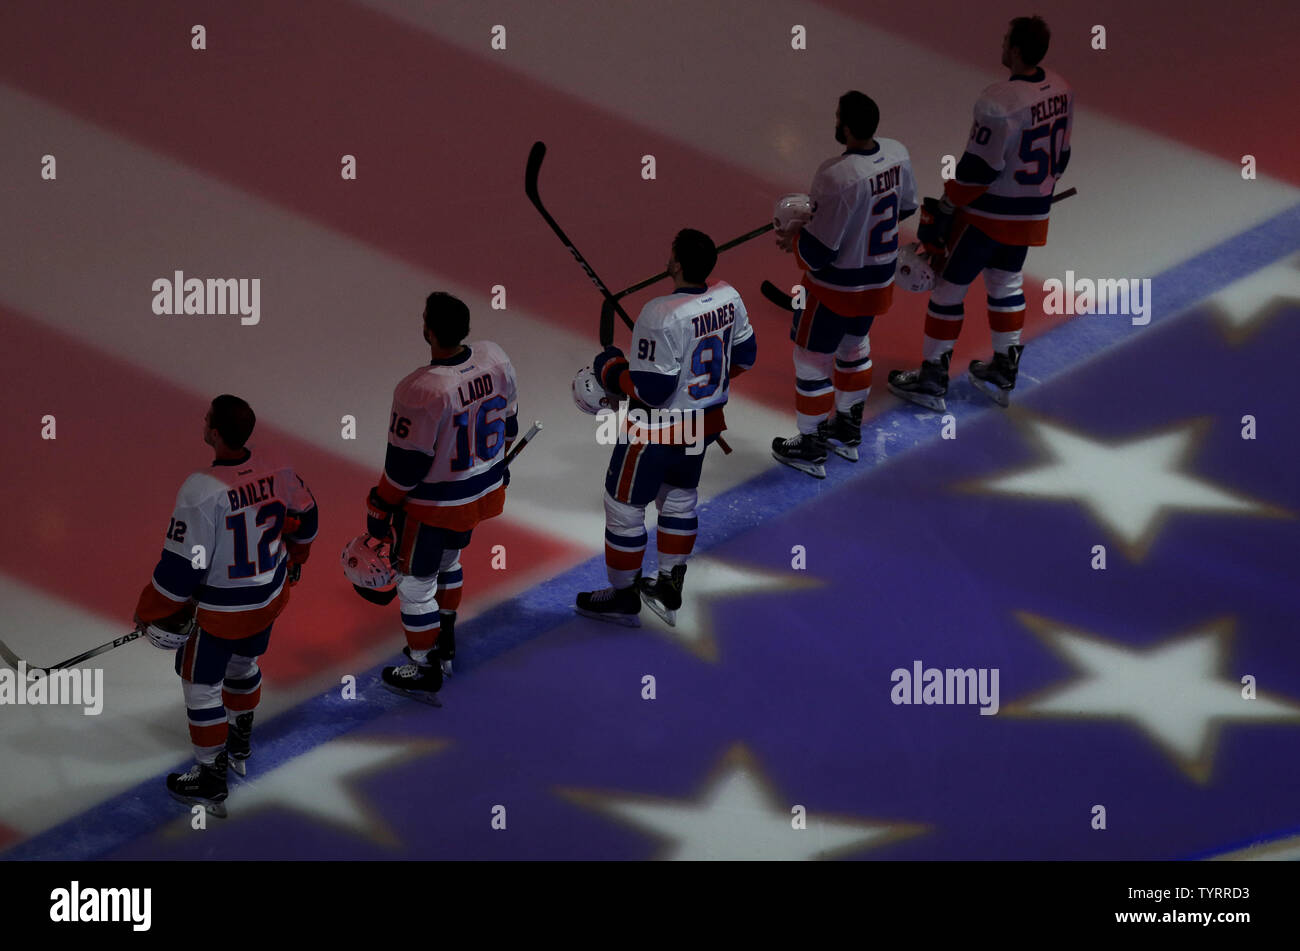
column 259, row 491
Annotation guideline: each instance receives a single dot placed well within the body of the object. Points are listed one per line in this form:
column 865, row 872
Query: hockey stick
column 747, row 236
column 522, row 441
column 531, row 173
column 13, row 659
column 783, row 300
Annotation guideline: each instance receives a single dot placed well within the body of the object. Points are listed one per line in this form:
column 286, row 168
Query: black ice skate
column 417, row 681
column 616, row 605
column 842, row 433
column 445, row 649
column 926, row 387
column 239, row 743
column 805, row 452
column 996, row 380
column 204, row 785
column 663, row 595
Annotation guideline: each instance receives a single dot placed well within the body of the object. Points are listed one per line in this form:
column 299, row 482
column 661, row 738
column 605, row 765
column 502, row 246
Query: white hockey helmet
column 367, row 563
column 588, row 395
column 791, row 210
column 914, row 271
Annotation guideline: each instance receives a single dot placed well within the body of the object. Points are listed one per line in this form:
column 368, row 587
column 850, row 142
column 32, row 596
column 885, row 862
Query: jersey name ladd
column 474, row 389
column 1051, row 106
column 886, row 180
column 715, row 320
column 253, row 492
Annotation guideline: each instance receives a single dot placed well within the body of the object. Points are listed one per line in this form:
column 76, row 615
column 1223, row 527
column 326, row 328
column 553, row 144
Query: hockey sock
column 207, row 719
column 1006, row 307
column 852, row 377
column 417, row 598
column 242, row 688
column 625, row 541
column 814, row 393
column 451, row 582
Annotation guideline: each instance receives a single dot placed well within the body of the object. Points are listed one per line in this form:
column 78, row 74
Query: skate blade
column 423, row 696
column 995, row 393
column 845, row 452
column 625, row 620
column 815, row 469
column 239, row 766
column 217, row 809
column 446, row 668
column 935, row 403
column 667, row 615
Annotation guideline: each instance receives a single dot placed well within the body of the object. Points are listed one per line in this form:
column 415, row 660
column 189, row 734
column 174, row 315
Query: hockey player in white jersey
column 848, row 250
column 687, row 346
column 452, row 423
column 238, row 537
column 991, row 213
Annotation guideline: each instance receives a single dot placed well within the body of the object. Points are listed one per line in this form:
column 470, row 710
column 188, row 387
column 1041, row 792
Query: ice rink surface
column 1120, row 687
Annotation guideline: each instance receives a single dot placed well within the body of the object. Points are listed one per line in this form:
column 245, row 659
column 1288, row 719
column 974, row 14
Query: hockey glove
column 379, row 516
column 935, row 224
column 295, row 573
column 608, row 366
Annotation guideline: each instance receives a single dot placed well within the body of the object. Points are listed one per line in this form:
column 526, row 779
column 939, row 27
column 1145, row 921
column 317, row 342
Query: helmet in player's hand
column 914, row 272
column 588, row 395
column 791, row 211
column 367, row 563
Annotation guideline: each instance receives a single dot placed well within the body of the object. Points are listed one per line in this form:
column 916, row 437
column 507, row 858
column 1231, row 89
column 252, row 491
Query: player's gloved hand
column 379, row 516
column 607, row 366
column 785, row 239
column 295, row 573
column 935, row 224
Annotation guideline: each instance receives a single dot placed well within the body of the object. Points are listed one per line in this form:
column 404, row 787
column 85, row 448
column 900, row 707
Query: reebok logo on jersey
column 213, row 296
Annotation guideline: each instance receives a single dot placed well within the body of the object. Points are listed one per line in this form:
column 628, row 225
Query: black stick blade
column 533, row 170
column 777, row 296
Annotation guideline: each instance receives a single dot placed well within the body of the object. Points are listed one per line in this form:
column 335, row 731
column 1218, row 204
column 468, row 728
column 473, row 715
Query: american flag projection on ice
column 1158, row 688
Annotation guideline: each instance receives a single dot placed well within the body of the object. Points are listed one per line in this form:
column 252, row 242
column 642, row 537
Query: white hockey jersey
column 228, row 545
column 449, row 424
column 1018, row 149
column 850, row 246
column 683, row 344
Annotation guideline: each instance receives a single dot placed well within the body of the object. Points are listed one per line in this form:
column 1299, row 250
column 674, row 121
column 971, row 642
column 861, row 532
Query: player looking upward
column 991, row 213
column 687, row 347
column 240, row 530
column 848, row 250
column 444, row 472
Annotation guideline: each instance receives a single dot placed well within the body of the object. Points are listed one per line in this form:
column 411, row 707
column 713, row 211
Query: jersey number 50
column 1044, row 160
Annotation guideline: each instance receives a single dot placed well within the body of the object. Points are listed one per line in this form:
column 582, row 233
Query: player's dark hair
column 447, row 318
column 860, row 113
column 695, row 252
column 1030, row 36
column 233, row 420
